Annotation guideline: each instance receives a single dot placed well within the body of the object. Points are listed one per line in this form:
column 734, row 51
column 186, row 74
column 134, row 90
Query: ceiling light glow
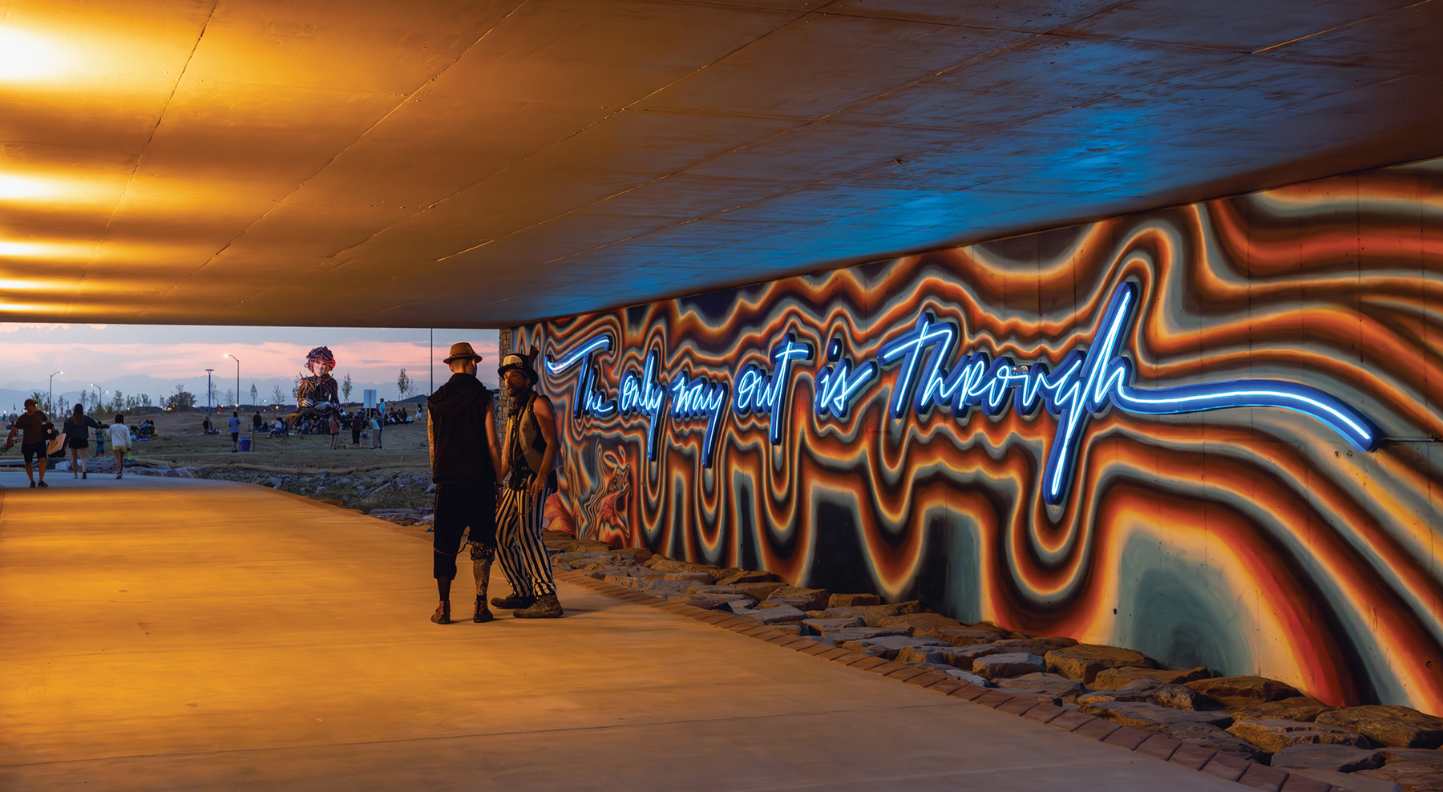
column 27, row 58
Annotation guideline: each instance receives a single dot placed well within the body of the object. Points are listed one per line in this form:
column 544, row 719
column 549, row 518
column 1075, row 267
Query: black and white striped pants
column 518, row 542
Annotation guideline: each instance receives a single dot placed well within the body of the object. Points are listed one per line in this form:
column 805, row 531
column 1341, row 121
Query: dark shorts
column 82, row 443
column 32, row 450
column 234, row 437
column 459, row 506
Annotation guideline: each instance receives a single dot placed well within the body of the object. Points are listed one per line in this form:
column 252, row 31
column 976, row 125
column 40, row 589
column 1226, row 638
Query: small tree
column 255, row 395
column 403, row 383
column 346, row 388
column 117, row 402
column 229, row 396
column 278, row 396
column 145, row 400
column 182, row 399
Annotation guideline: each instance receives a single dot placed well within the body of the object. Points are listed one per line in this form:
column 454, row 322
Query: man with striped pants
column 528, row 461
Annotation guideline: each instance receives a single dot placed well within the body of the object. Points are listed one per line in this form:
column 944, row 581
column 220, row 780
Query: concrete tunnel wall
column 854, row 429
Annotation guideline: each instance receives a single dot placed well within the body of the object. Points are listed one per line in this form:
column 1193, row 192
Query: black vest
column 458, row 416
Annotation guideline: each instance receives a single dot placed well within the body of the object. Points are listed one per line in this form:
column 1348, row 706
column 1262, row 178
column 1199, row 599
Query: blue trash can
column 245, row 443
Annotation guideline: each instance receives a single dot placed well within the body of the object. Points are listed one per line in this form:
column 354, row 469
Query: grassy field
column 180, row 442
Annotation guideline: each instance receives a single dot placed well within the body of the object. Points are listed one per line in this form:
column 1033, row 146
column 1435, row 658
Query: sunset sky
column 154, row 359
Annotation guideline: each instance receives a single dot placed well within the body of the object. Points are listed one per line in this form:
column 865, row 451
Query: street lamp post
column 208, row 390
column 51, row 397
column 237, row 378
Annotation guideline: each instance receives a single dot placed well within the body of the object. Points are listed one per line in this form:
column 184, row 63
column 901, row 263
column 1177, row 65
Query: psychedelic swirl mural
column 1209, row 432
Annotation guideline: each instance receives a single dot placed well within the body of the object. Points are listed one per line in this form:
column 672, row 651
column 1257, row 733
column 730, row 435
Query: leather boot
column 546, row 607
column 442, row 614
column 513, row 602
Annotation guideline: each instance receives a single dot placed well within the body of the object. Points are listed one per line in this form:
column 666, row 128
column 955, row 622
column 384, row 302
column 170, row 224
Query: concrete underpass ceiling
column 481, row 163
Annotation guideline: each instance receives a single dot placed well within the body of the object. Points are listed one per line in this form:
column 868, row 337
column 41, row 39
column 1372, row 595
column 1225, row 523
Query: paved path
column 162, row 633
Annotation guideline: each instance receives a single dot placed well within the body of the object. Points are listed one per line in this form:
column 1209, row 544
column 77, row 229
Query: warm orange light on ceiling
column 17, row 188
column 27, row 57
column 51, row 250
column 21, row 284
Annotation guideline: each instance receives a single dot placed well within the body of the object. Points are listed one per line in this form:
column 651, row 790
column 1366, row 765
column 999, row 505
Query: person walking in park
column 528, row 461
column 77, row 436
column 34, row 428
column 233, row 426
column 335, row 426
column 356, row 423
column 380, row 422
column 119, row 443
column 463, row 449
column 257, row 426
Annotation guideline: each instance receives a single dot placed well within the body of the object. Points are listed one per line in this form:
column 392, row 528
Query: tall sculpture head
column 320, row 361
column 319, row 390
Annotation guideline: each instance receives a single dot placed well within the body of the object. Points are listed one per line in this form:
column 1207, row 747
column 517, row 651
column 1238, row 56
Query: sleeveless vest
column 528, row 447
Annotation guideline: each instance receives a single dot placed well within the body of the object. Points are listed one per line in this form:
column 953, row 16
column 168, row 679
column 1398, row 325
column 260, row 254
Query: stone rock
column 1114, row 678
column 1339, row 758
column 1388, row 724
column 586, row 546
column 630, row 555
column 966, row 676
column 1037, row 646
column 578, row 560
column 861, row 633
column 602, row 571
column 871, row 614
column 1416, row 770
column 687, row 577
column 800, row 598
column 852, row 600
column 825, row 626
column 624, row 581
column 888, row 646
column 1084, row 662
column 916, row 620
column 1275, row 735
column 1054, row 685
column 1297, row 708
column 715, row 601
column 960, row 635
column 936, row 654
column 1237, row 692
column 1151, row 716
column 1184, row 698
column 697, row 571
column 1007, row 664
column 778, row 615
column 746, row 576
column 738, row 605
column 1137, row 690
column 1211, row 737
column 757, row 591
column 667, row 589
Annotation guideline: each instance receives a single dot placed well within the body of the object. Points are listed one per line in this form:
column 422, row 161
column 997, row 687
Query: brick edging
column 1228, row 767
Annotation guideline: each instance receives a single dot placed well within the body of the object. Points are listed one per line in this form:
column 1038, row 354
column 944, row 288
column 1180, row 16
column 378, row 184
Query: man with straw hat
column 464, row 462
column 528, row 459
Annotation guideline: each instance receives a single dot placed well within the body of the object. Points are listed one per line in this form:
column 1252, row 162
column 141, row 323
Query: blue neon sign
column 1086, row 383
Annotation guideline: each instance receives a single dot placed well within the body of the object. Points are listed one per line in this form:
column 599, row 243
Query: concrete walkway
column 163, row 633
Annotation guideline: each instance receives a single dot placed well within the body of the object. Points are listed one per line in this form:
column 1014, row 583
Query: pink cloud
column 368, row 360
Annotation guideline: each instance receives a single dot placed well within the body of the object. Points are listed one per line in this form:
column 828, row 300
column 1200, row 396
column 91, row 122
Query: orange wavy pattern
column 1250, row 539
